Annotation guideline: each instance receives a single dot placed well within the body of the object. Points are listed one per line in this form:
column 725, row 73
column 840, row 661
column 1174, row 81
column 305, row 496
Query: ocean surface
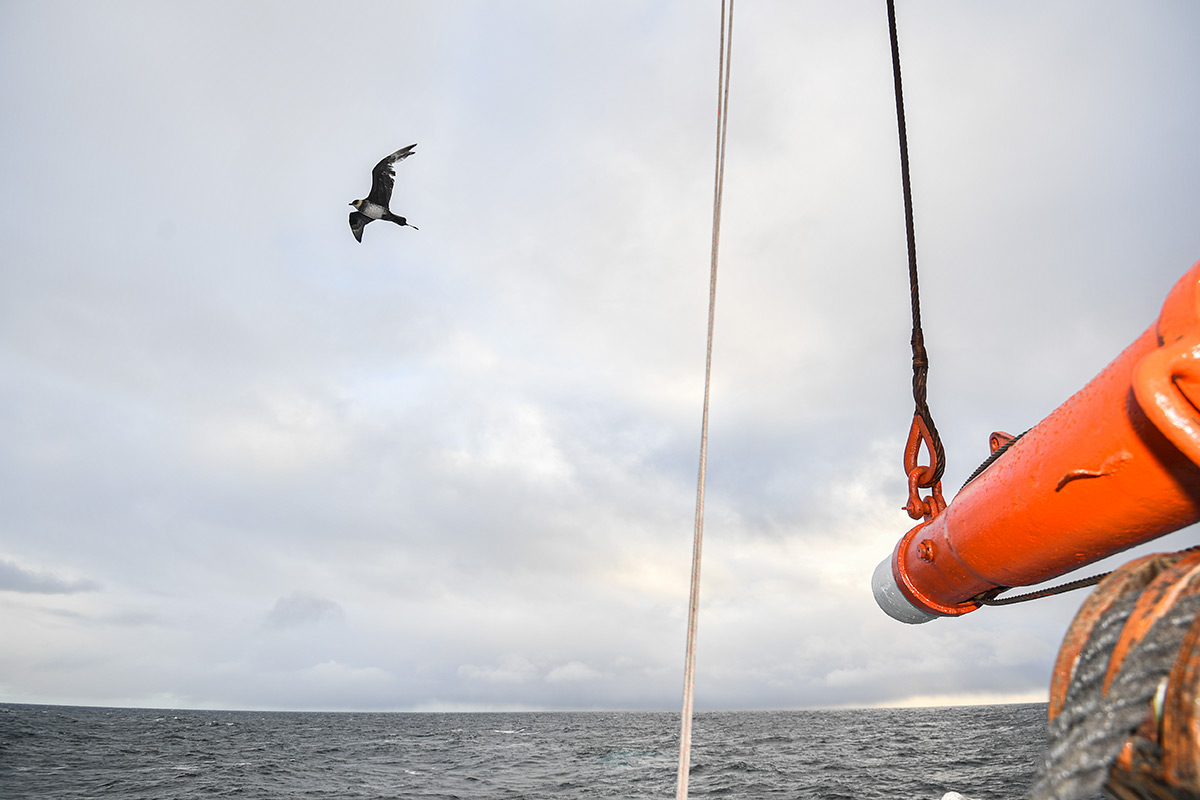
column 63, row 752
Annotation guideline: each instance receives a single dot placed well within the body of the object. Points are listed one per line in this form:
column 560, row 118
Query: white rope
column 689, row 670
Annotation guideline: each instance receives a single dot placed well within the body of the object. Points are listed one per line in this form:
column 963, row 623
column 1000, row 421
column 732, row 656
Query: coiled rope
column 1086, row 737
column 689, row 670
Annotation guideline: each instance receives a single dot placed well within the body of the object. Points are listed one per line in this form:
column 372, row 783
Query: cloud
column 510, row 669
column 334, row 673
column 300, row 609
column 573, row 672
column 466, row 455
column 15, row 578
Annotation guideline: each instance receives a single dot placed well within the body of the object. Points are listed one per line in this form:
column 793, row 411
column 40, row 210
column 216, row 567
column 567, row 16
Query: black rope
column 1001, row 450
column 990, row 598
column 920, row 358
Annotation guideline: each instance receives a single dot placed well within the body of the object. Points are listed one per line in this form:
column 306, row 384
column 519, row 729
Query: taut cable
column 920, row 359
column 689, row 671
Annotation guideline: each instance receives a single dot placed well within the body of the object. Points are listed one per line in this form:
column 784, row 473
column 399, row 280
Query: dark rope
column 990, row 598
column 920, row 358
column 1001, row 450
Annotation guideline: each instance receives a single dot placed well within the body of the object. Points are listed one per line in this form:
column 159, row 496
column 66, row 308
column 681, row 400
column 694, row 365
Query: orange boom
column 1114, row 466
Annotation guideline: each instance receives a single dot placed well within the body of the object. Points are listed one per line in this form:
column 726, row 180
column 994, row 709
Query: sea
column 66, row 752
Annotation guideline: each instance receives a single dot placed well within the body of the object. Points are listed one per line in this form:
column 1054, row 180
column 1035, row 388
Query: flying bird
column 375, row 206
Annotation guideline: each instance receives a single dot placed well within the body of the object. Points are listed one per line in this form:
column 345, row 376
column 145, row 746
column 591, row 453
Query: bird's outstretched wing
column 383, row 177
column 357, row 223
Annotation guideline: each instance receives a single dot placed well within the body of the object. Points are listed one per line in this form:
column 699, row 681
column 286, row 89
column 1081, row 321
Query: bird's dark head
column 356, row 203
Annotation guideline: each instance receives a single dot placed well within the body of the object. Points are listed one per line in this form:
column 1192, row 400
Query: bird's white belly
column 371, row 210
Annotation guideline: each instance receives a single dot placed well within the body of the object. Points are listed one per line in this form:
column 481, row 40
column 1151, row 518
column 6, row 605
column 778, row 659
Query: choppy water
column 66, row 753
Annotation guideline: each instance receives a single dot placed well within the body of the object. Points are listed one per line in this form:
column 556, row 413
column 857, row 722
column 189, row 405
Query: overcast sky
column 248, row 462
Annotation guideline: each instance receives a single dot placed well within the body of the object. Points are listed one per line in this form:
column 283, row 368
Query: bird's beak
column 350, row 203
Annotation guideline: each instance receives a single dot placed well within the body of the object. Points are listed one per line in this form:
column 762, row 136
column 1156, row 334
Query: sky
column 249, row 462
